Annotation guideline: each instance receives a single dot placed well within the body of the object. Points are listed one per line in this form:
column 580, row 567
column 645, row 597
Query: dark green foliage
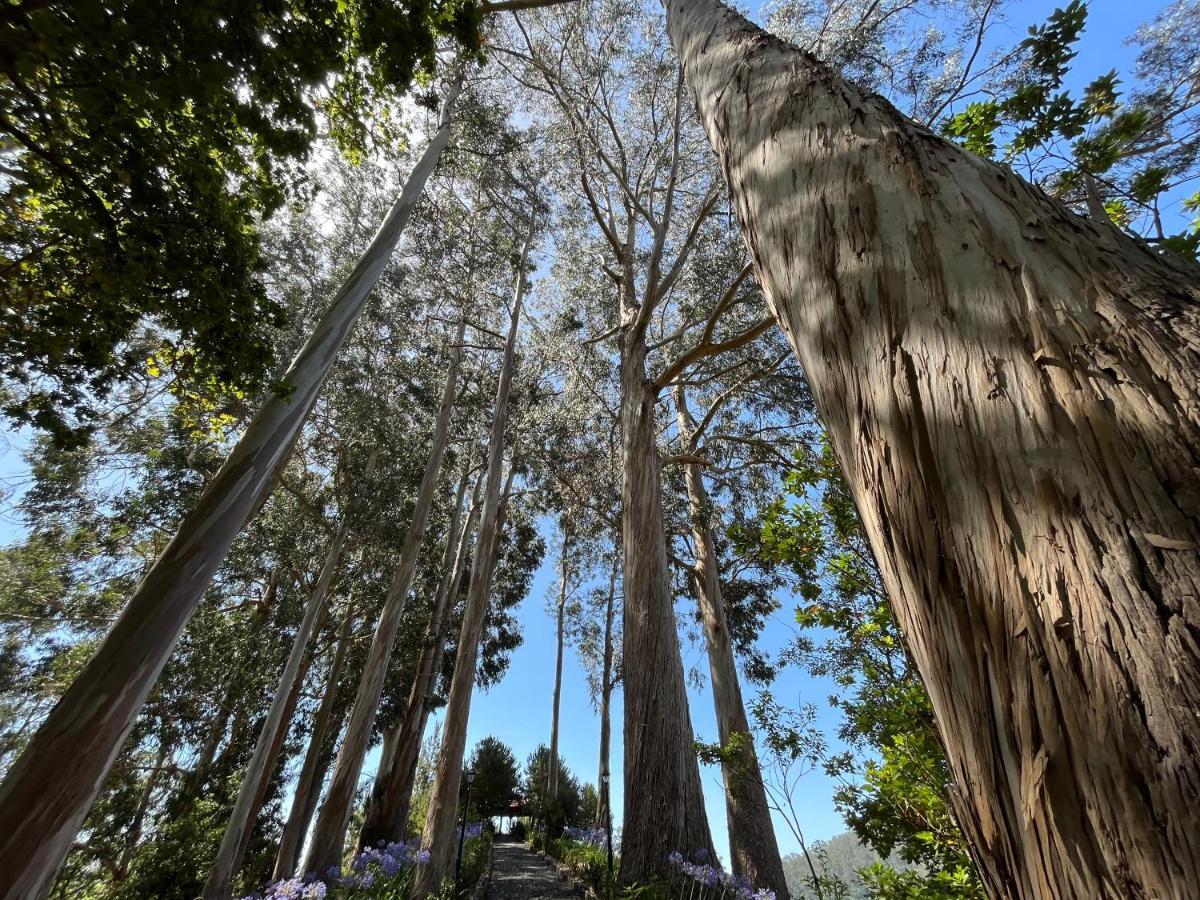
column 143, row 142
column 566, row 808
column 497, row 779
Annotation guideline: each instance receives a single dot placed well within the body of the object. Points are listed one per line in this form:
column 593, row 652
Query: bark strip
column 1013, row 393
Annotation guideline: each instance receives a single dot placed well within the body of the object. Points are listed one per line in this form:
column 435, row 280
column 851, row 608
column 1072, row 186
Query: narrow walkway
column 518, row 874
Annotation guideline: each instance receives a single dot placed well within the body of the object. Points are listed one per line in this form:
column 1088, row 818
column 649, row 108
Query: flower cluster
column 707, row 876
column 385, row 861
column 597, row 837
column 291, row 889
column 474, row 830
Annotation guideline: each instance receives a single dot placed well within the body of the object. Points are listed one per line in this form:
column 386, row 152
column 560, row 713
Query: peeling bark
column 664, row 802
column 752, row 843
column 329, row 837
column 1012, row 392
column 440, row 818
column 51, row 787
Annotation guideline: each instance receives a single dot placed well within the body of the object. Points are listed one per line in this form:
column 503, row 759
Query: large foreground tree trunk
column 752, row 844
column 316, row 761
column 262, row 762
column 329, row 837
column 1014, row 395
column 439, row 820
column 664, row 802
column 387, row 810
column 51, row 787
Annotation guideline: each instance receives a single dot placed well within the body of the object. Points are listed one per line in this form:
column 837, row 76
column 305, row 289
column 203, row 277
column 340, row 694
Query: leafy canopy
column 142, row 142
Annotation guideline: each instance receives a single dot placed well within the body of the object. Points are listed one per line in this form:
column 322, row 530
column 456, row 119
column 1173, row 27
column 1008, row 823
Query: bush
column 517, row 830
column 587, row 861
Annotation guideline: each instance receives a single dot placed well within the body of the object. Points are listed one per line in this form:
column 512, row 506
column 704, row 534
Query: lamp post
column 608, row 828
column 469, row 775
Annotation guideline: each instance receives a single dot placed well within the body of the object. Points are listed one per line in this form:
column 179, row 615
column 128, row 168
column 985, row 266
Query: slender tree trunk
column 606, row 692
column 143, row 808
column 439, row 820
column 552, row 769
column 329, row 837
column 216, row 730
column 316, row 759
column 752, row 844
column 245, row 809
column 387, row 810
column 1013, row 393
column 42, row 805
column 664, row 802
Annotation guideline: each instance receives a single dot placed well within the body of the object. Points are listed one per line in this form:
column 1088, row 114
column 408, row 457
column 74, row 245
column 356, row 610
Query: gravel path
column 518, row 874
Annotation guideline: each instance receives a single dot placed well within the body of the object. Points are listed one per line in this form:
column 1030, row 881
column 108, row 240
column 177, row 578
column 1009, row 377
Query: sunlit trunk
column 42, row 805
column 1014, row 396
column 387, row 810
column 329, row 836
column 664, row 803
column 245, row 809
column 316, row 761
column 439, row 820
column 752, row 844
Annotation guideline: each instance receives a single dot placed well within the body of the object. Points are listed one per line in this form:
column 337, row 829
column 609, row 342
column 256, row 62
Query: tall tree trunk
column 329, row 837
column 1013, row 393
column 604, row 804
column 439, row 820
column 387, row 810
column 552, row 769
column 245, row 809
column 664, row 802
column 752, row 844
column 316, row 759
column 42, row 805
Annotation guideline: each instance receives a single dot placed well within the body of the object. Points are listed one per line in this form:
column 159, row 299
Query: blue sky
column 517, row 711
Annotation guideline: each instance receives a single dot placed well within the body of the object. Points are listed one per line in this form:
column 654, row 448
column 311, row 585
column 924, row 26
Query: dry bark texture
column 664, row 806
column 51, row 787
column 329, row 837
column 752, row 844
column 1013, row 394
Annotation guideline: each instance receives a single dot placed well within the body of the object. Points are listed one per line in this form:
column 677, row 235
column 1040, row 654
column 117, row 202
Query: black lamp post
column 469, row 775
column 604, row 779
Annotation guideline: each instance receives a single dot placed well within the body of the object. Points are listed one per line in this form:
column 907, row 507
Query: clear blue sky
column 518, row 710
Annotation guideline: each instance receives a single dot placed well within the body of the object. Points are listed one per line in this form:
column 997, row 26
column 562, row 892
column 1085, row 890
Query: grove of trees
column 328, row 325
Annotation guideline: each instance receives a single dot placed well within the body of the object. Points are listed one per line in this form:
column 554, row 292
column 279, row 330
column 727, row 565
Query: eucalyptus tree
column 40, row 810
column 440, row 818
column 641, row 197
column 1012, row 467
